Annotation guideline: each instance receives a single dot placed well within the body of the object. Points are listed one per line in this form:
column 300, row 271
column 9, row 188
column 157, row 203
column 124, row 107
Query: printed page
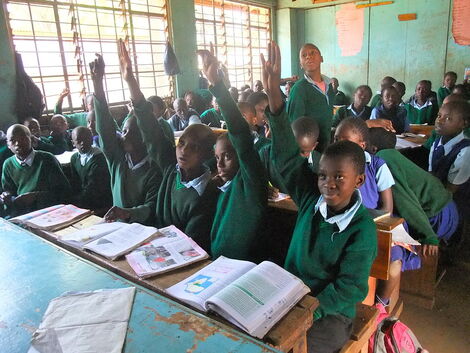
column 58, row 218
column 400, row 235
column 89, row 221
column 402, row 143
column 259, row 298
column 170, row 250
column 79, row 238
column 26, row 217
column 196, row 289
column 121, row 241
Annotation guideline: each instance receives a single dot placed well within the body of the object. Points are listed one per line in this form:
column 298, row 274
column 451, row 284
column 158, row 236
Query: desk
column 34, row 271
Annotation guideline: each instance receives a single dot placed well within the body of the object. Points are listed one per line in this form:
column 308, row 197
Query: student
column 448, row 84
column 5, row 153
column 376, row 191
column 260, row 101
column 420, row 109
column 90, row 179
column 248, row 112
column 334, row 241
column 460, row 90
column 401, row 89
column 159, row 108
column 386, row 82
column 134, row 179
column 186, row 198
column 183, row 116
column 245, row 94
column 240, row 176
column 258, row 86
column 449, row 157
column 313, row 94
column 31, row 179
column 194, row 102
column 212, row 116
column 234, row 93
column 390, row 110
column 421, row 200
column 358, row 108
column 306, row 133
column 75, row 119
column 340, row 98
column 59, row 139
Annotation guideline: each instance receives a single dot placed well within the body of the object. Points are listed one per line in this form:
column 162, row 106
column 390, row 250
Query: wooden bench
column 364, row 326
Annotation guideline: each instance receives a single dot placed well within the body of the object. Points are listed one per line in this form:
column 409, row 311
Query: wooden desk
column 34, row 271
column 422, row 129
column 283, row 335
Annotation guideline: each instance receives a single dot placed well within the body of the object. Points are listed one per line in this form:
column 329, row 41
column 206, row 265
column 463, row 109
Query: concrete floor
column 445, row 328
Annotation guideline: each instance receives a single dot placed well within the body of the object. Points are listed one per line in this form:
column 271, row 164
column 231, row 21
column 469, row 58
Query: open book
column 253, row 297
column 171, row 249
column 52, row 218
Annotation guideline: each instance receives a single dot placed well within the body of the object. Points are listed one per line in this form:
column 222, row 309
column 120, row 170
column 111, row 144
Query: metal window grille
column 58, row 40
column 239, row 33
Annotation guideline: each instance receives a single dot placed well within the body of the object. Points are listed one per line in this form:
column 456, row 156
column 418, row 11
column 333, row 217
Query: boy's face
column 449, row 124
column 306, row 144
column 82, row 141
column 130, row 136
column 310, row 58
column 190, row 100
column 258, row 86
column 33, row 126
column 249, row 117
column 189, row 154
column 334, row 84
column 19, row 144
column 91, row 123
column 390, row 98
column 422, row 92
column 227, row 160
column 157, row 111
column 260, row 108
column 345, row 133
column 361, row 97
column 337, row 180
column 181, row 109
column 58, row 126
column 449, row 81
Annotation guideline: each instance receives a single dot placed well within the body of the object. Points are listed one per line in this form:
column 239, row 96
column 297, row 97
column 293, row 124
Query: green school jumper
column 442, row 93
column 335, row 265
column 133, row 190
column 176, row 204
column 306, row 100
column 167, row 130
column 238, row 222
column 376, row 101
column 74, row 119
column 211, row 117
column 417, row 194
column 45, row 175
column 91, row 182
column 56, row 144
column 426, row 115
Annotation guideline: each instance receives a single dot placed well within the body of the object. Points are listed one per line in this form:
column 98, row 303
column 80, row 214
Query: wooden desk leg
column 301, row 345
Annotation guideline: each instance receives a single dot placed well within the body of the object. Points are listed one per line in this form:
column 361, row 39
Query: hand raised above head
column 97, row 68
column 271, row 75
column 210, row 65
column 65, row 92
column 125, row 63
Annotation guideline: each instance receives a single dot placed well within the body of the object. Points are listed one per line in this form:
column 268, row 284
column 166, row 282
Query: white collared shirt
column 383, row 176
column 325, row 79
column 133, row 166
column 414, row 104
column 85, row 157
column 356, row 114
column 225, row 187
column 459, row 171
column 199, row 184
column 28, row 161
column 341, row 220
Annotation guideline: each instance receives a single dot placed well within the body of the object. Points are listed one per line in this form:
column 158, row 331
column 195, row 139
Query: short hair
column 16, row 128
column 459, row 87
column 82, row 130
column 461, row 108
column 180, row 101
column 454, row 97
column 429, row 83
column 381, row 138
column 305, row 126
column 350, row 150
column 204, row 135
column 366, row 87
column 358, row 125
column 245, row 94
column 450, row 73
column 224, row 137
column 157, row 101
column 310, row 45
column 257, row 97
column 58, row 116
column 391, row 88
column 388, row 80
column 246, row 107
column 425, row 82
column 401, row 85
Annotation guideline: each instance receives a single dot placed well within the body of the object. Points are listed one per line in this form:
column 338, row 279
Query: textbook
column 252, row 297
column 170, row 249
column 52, row 218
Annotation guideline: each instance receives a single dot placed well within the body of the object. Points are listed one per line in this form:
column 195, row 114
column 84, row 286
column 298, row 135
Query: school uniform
column 376, row 100
column 235, row 232
column 74, row 119
column 346, row 112
column 396, row 115
column 189, row 205
column 332, row 255
column 442, row 93
column 378, row 179
column 56, row 144
column 178, row 124
column 211, row 117
column 90, row 180
column 340, row 98
column 314, row 161
column 307, row 99
column 421, row 114
column 134, row 186
column 422, row 200
column 259, row 141
column 39, row 171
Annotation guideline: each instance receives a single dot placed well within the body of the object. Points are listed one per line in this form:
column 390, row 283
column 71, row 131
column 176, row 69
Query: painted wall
column 409, row 51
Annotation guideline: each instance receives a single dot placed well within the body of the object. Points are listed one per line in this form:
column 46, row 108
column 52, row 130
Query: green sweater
column 91, row 183
column 211, row 117
column 335, row 265
column 442, row 93
column 74, row 119
column 376, row 101
column 56, row 144
column 45, row 175
column 417, row 194
column 133, row 190
column 176, row 204
column 426, row 115
column 235, row 232
column 305, row 100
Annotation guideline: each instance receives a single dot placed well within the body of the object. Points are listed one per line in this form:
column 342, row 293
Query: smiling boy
column 391, row 110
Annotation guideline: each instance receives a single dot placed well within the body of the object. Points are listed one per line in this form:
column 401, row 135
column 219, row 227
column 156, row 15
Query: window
column 58, row 40
column 239, row 33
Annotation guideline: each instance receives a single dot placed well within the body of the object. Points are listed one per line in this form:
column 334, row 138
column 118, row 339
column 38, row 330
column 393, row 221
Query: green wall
column 409, row 50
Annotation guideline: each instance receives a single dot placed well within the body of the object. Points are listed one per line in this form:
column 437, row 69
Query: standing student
column 359, row 107
column 334, row 241
column 186, row 197
column 386, row 82
column 448, row 85
column 74, row 119
column 420, row 109
column 313, row 94
column 390, row 109
column 340, row 97
column 240, row 176
column 134, row 179
column 183, row 116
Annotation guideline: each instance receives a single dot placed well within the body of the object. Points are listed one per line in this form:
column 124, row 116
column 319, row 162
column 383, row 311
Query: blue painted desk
column 33, row 271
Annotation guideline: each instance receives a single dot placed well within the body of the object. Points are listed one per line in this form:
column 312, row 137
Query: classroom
column 235, row 176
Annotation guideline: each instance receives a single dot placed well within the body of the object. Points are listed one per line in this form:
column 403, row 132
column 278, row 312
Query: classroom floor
column 446, row 328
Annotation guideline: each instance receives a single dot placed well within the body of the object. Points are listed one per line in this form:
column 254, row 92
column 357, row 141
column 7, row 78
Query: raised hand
column 125, row 63
column 210, row 65
column 271, row 76
column 64, row 93
column 97, row 68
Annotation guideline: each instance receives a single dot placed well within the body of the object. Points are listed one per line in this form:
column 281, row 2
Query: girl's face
column 227, row 160
column 346, row 133
column 449, row 81
column 361, row 97
column 390, row 98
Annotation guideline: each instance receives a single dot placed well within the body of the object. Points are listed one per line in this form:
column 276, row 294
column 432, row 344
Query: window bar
column 250, row 48
column 83, row 66
column 101, row 45
column 131, row 24
column 224, row 33
column 151, row 48
column 123, row 13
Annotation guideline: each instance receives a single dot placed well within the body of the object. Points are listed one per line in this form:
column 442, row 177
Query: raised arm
column 58, row 105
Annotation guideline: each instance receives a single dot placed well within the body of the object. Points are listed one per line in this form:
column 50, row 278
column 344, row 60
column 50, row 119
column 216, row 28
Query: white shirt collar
column 28, row 161
column 342, row 220
column 225, row 187
column 255, row 136
column 85, row 157
column 451, row 143
column 368, row 157
column 415, row 104
column 351, row 108
column 133, row 166
column 199, row 184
